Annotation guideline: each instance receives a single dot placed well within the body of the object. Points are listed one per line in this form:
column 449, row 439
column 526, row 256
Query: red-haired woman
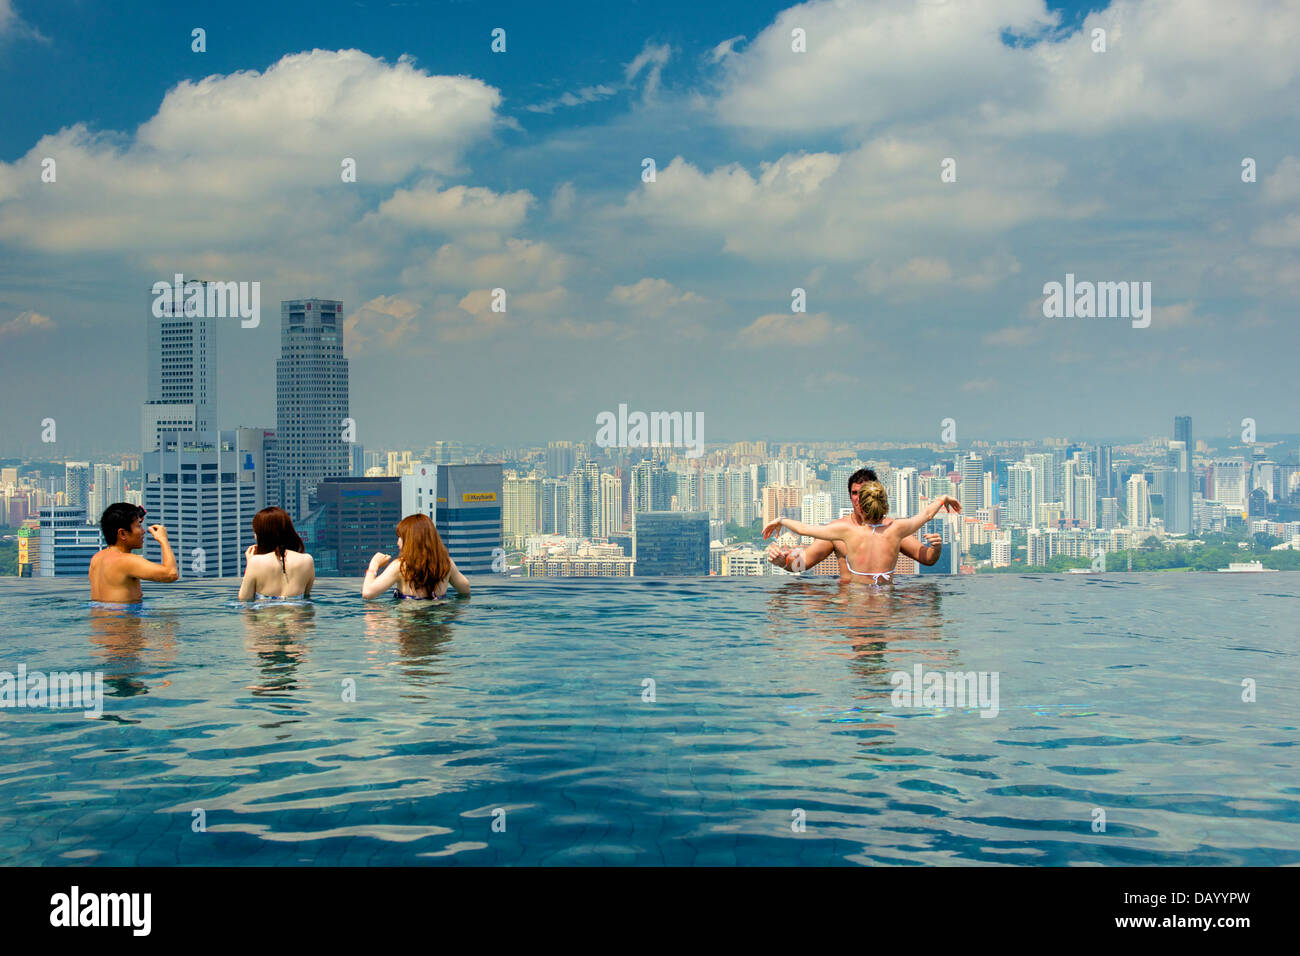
column 278, row 565
column 423, row 567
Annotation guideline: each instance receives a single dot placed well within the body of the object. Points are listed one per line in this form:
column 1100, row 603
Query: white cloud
column 234, row 161
column 787, row 329
column 652, row 59
column 456, row 209
column 588, row 94
column 25, row 322
column 869, row 64
column 653, row 295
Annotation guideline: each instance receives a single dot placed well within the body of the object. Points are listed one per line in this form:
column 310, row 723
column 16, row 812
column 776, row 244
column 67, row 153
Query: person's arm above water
column 835, row 531
column 248, row 586
column 144, row 569
column 906, row 527
column 375, row 583
column 928, row 553
column 458, row 580
column 813, row 554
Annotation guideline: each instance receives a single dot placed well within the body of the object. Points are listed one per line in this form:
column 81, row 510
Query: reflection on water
column 419, row 631
column 130, row 642
column 273, row 634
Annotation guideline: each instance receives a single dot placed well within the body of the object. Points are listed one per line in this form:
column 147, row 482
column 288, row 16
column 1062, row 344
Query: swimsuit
column 874, row 575
column 397, row 593
column 280, row 597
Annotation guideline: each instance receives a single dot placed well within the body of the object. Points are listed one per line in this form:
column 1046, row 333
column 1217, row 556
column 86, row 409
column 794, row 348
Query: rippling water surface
column 1120, row 694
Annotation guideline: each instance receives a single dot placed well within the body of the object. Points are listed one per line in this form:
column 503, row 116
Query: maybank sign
column 477, row 496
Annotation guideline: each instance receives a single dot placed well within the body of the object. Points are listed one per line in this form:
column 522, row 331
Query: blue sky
column 775, row 170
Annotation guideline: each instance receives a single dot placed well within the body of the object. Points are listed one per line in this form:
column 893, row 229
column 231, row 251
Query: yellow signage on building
column 479, row 496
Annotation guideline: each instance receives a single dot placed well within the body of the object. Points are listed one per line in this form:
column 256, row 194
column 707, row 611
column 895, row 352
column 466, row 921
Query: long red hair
column 274, row 531
column 424, row 558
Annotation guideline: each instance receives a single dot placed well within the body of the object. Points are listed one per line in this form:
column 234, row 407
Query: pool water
column 521, row 727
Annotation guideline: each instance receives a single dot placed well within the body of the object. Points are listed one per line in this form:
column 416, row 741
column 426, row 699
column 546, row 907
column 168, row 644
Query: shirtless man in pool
column 116, row 573
column 818, row 551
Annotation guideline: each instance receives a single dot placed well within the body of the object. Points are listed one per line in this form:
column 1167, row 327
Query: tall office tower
column 182, row 373
column 356, row 460
column 713, row 493
column 1178, row 484
column 1085, row 501
column 687, row 481
column 671, row 543
column 360, row 518
column 651, row 486
column 447, row 452
column 1230, row 485
column 555, row 506
column 560, row 458
column 971, row 489
column 839, row 489
column 1044, row 481
column 1022, row 495
column 420, row 489
column 521, row 508
column 311, row 397
column 1183, row 433
column 469, row 514
column 108, row 488
column 204, row 488
column 781, row 501
column 741, row 495
column 906, row 493
column 816, row 508
column 783, row 471
column 1103, row 471
column 1139, row 502
column 584, row 500
column 611, row 505
column 76, row 485
column 1068, row 474
column 67, row 542
column 1109, row 514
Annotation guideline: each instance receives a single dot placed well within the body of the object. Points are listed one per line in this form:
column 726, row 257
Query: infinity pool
column 519, row 727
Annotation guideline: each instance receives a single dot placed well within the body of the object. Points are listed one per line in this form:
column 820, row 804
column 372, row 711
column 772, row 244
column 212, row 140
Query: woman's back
column 871, row 548
column 292, row 579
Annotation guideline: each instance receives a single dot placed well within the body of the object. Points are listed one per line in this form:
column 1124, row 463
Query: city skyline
column 521, row 172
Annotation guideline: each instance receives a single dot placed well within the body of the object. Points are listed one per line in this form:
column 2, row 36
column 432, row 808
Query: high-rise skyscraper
column 1178, row 486
column 1183, row 432
column 1023, row 497
column 971, row 489
column 671, row 543
column 76, row 485
column 182, row 367
column 311, row 395
column 204, row 487
column 1139, row 502
column 469, row 514
column 108, row 488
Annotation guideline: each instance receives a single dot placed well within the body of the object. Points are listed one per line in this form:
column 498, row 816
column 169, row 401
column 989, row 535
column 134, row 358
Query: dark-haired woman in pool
column 423, row 567
column 277, row 566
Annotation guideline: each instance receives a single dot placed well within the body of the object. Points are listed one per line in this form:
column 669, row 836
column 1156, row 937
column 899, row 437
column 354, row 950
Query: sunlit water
column 771, row 704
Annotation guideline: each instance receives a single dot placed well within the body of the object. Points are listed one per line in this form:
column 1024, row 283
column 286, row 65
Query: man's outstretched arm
column 813, row 555
column 928, row 553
